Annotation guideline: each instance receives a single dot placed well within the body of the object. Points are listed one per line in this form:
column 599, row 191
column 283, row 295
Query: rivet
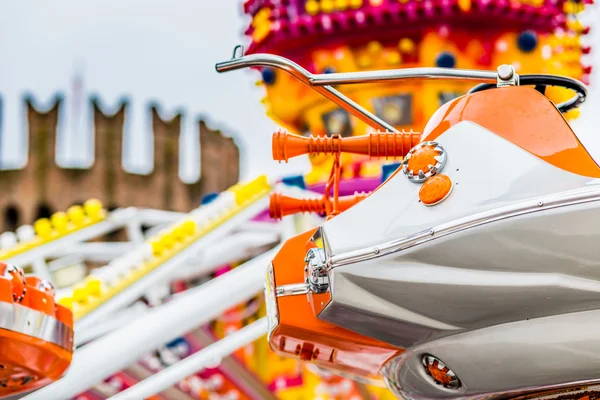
column 505, row 72
column 540, row 203
column 431, row 232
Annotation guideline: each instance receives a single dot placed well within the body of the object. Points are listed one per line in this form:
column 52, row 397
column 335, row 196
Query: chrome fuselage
column 501, row 281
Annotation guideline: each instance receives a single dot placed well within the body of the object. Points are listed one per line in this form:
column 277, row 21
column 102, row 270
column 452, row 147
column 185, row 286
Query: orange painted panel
column 301, row 334
column 523, row 116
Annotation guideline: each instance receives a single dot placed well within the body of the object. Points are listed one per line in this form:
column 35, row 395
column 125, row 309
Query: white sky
column 152, row 50
column 145, row 49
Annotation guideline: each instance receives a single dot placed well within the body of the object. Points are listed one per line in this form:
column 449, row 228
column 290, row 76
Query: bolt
column 505, row 72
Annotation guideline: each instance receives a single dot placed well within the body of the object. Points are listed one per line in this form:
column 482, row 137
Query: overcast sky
column 145, row 49
column 149, row 50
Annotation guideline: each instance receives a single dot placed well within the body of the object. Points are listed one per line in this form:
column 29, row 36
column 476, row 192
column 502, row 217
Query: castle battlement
column 47, row 180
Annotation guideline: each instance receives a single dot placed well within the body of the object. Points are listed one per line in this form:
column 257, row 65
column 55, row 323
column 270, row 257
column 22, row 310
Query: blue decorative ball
column 527, row 41
column 445, row 60
column 329, row 70
column 268, row 76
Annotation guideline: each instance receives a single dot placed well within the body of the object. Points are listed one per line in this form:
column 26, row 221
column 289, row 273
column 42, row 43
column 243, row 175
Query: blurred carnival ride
column 336, row 36
column 174, row 309
column 162, row 268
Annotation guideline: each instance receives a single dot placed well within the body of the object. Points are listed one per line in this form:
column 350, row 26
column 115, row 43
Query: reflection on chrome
column 271, row 299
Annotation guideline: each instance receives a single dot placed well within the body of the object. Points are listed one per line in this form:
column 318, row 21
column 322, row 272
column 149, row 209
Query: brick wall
column 42, row 187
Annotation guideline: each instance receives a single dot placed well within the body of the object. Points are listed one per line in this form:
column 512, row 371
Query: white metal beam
column 236, row 247
column 154, row 217
column 210, row 355
column 115, row 321
column 168, row 269
column 118, row 349
column 115, row 220
column 95, row 251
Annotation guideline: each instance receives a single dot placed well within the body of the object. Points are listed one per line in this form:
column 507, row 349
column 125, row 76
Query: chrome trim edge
column 271, row 301
column 24, row 320
column 572, row 197
column 292, row 289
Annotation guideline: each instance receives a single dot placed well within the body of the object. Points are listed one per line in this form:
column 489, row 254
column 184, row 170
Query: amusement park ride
column 447, row 274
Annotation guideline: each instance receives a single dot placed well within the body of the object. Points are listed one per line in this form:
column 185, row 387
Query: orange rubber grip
column 375, row 145
column 281, row 205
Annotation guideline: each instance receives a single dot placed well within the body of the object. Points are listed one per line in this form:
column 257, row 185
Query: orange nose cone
column 435, row 190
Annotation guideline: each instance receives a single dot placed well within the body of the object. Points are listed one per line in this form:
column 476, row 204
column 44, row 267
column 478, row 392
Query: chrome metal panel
column 471, row 306
column 21, row 319
column 517, row 269
column 396, row 332
column 506, row 360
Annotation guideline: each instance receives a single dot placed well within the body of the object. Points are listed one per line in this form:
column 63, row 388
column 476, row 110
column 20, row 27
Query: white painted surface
column 497, row 174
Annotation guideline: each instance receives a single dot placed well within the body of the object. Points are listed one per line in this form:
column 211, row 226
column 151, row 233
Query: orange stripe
column 523, row 116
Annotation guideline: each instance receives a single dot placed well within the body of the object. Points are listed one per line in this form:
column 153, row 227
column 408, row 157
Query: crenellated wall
column 42, row 187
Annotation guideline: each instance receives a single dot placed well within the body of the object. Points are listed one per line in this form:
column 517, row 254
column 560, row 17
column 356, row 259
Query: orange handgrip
column 375, row 145
column 281, row 205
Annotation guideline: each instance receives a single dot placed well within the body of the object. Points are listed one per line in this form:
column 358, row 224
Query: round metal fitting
column 430, row 157
column 506, row 72
column 317, row 275
column 439, row 372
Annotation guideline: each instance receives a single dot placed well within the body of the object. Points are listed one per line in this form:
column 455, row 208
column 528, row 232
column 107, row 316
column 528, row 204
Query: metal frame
column 322, row 83
column 122, row 347
column 111, row 323
column 169, row 268
column 116, row 334
column 247, row 381
column 196, row 362
column 21, row 319
column 114, row 221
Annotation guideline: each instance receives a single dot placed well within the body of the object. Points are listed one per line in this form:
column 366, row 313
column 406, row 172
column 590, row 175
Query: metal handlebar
column 346, row 78
column 322, row 82
column 282, row 63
